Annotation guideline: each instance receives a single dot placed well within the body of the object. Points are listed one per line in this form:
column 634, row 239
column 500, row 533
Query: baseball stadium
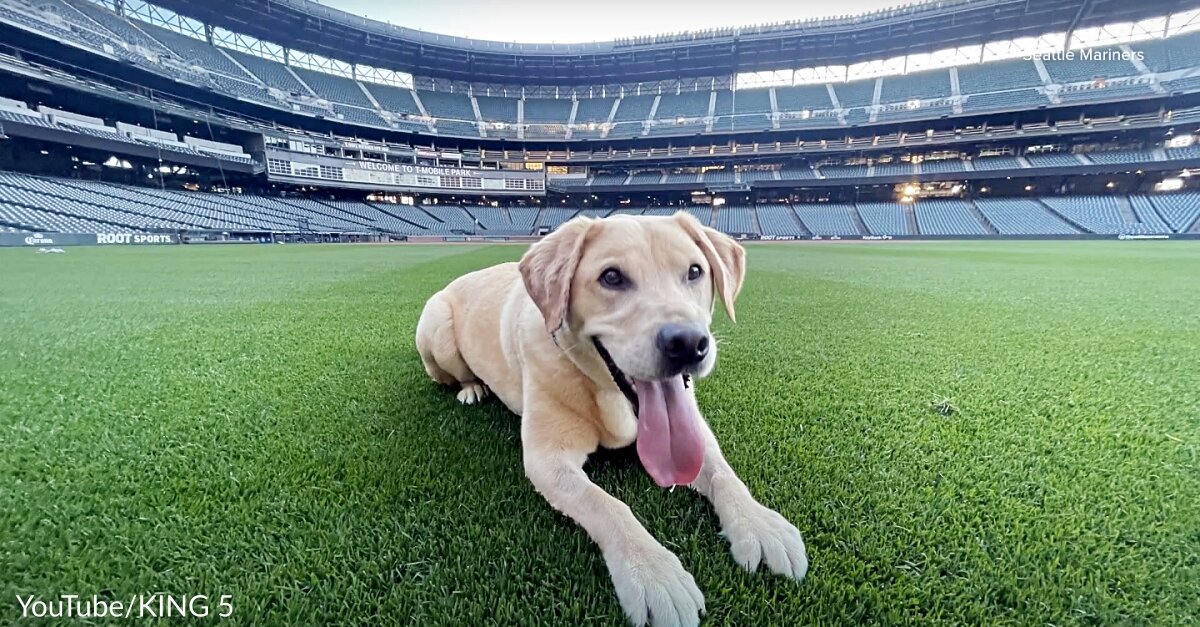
column 964, row 364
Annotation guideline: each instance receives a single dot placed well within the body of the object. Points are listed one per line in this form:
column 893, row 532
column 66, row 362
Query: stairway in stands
column 987, row 224
column 858, row 221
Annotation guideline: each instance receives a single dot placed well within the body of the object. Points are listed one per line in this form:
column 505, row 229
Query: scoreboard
column 330, row 171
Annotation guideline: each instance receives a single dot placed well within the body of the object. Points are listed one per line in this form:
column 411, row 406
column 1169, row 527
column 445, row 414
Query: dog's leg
column 756, row 533
column 652, row 585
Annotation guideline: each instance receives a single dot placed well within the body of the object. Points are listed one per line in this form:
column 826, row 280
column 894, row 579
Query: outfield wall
column 87, row 239
column 42, row 240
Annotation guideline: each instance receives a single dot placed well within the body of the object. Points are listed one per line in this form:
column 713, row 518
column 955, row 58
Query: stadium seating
column 1106, row 92
column 394, row 98
column 923, row 111
column 1121, row 156
column 334, row 88
column 546, row 110
column 1053, row 160
column 123, row 29
column 884, row 218
column 1180, row 211
column 1016, row 216
column 942, row 165
column 194, row 51
column 1165, row 55
column 497, row 109
column 269, row 72
column 946, row 217
column 855, row 93
column 1080, row 69
column 648, row 177
column 634, row 108
column 735, row 220
column 683, row 105
column 804, row 98
column 827, row 220
column 778, row 220
column 918, row 85
column 1016, row 99
column 796, row 173
column 440, row 104
column 742, row 101
column 844, row 171
column 1145, row 214
column 610, row 178
column 998, row 76
column 1101, row 214
column 996, row 163
column 595, row 110
column 893, row 169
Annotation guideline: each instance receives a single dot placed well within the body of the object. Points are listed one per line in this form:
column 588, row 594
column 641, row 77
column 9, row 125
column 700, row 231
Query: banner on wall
column 86, row 239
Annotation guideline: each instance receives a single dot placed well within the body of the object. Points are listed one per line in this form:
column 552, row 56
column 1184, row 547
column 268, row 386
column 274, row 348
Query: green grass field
column 966, row 433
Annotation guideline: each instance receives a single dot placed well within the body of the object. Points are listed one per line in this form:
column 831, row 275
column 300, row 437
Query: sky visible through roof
column 558, row 21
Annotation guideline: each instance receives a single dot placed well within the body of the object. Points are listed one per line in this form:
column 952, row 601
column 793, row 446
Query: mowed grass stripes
column 981, row 433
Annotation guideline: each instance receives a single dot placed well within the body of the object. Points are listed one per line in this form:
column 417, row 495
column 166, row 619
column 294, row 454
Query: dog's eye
column 695, row 272
column 613, row 278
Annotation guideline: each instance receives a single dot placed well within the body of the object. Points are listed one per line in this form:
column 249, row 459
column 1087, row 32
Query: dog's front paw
column 763, row 535
column 472, row 392
column 654, row 588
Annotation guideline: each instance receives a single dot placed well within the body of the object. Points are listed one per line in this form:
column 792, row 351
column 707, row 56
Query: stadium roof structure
column 918, row 28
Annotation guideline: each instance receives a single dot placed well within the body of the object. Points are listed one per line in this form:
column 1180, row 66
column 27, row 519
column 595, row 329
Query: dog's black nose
column 682, row 345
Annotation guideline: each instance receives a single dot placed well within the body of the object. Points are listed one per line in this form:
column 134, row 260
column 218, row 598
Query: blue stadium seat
column 827, row 219
column 779, row 219
column 1079, row 69
column 946, row 217
column 335, row 88
column 634, row 108
column 683, row 105
column 998, row 76
column 594, row 110
column 547, row 110
column 855, row 93
column 1005, row 100
column 884, row 218
column 1181, row 211
column 454, row 106
column 1101, row 214
column 1019, row 216
column 918, row 85
column 270, row 72
column 805, row 98
column 497, row 109
column 735, row 220
column 1179, row 52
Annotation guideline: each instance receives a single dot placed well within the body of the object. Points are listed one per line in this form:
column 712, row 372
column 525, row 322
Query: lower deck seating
column 1019, row 216
column 826, row 220
column 946, row 217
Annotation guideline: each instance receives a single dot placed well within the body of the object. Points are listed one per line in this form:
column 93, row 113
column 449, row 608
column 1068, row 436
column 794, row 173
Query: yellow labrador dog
column 595, row 339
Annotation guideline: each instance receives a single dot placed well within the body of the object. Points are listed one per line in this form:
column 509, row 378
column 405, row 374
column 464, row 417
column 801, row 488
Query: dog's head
column 642, row 288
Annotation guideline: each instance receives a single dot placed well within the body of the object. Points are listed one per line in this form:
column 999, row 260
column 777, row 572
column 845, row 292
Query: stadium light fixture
column 984, row 190
column 1181, row 141
column 1173, row 184
column 1029, row 188
column 911, row 189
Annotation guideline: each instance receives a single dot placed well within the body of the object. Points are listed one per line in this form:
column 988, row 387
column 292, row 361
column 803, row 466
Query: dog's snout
column 682, row 345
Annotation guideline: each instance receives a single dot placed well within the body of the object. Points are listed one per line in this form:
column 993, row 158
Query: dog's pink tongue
column 669, row 441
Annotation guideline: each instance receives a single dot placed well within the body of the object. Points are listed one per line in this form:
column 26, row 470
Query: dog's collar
column 618, row 377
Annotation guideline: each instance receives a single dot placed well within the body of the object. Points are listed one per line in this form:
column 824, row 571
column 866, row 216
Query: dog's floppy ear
column 725, row 256
column 548, row 267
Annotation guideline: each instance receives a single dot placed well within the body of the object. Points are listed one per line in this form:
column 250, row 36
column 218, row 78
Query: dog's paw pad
column 471, row 393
